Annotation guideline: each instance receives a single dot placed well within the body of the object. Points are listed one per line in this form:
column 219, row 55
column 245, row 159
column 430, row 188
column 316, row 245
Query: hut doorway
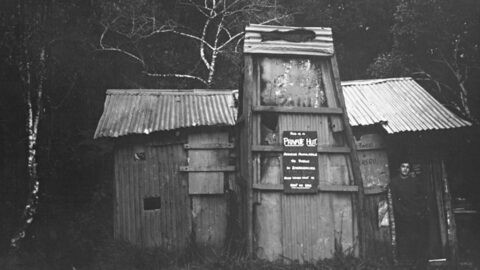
column 431, row 173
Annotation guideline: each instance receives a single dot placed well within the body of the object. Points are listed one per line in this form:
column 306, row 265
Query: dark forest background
column 72, row 51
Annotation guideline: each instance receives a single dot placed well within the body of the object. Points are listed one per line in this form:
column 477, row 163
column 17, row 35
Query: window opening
column 152, row 203
column 269, row 129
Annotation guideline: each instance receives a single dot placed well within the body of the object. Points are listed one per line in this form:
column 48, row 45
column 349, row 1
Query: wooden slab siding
column 209, row 206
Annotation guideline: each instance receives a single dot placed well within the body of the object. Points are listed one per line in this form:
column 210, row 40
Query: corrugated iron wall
column 183, row 174
column 155, row 177
column 127, row 202
column 312, row 224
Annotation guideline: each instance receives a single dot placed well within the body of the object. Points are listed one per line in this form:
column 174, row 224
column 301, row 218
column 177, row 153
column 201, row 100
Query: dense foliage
column 95, row 45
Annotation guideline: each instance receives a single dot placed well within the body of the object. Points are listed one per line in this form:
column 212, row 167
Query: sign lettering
column 300, row 162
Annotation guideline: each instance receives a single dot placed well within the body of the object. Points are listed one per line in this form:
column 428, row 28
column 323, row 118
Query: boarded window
column 152, row 203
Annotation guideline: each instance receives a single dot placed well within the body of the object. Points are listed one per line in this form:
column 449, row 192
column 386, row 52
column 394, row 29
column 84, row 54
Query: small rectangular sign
column 300, row 162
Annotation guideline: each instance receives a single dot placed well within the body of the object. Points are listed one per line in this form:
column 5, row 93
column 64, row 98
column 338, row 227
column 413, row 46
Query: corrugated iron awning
column 399, row 104
column 256, row 43
column 144, row 111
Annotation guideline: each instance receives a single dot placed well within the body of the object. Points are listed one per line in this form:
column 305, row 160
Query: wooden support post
column 391, row 220
column 451, row 225
column 357, row 175
column 249, row 86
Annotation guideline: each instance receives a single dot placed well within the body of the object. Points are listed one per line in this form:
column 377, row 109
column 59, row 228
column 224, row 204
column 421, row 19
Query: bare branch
column 276, row 19
column 180, row 76
column 103, row 48
column 230, row 40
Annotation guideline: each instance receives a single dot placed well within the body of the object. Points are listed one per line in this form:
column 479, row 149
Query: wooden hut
column 173, row 165
column 396, row 119
column 301, row 202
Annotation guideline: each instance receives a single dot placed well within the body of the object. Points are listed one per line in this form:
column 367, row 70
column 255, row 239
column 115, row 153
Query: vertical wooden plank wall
column 209, row 205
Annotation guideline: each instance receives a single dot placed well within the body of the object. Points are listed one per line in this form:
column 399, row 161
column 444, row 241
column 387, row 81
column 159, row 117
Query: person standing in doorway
column 410, row 212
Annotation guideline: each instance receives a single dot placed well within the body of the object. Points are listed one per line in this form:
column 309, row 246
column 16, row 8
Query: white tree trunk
column 34, row 104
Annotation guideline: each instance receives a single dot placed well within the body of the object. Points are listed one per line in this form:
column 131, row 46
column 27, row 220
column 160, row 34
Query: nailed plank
column 249, row 95
column 280, row 148
column 209, row 146
column 211, row 168
column 206, row 176
column 297, row 110
column 206, row 183
column 375, row 190
column 337, row 188
column 268, row 187
column 321, row 187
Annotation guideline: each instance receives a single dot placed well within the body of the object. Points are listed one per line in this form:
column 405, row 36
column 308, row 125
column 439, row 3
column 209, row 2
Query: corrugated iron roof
column 145, row 111
column 321, row 45
column 399, row 104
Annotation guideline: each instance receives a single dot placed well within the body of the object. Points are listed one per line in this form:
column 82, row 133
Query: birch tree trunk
column 34, row 105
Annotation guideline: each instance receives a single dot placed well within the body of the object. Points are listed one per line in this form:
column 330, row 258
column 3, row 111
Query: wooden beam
column 321, row 188
column 249, row 89
column 393, row 227
column 371, row 148
column 268, row 187
column 451, row 224
column 337, row 188
column 300, row 110
column 357, row 174
column 209, row 146
column 207, row 169
column 320, row 149
column 374, row 190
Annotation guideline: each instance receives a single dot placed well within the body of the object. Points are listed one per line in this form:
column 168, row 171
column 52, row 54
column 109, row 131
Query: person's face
column 405, row 169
